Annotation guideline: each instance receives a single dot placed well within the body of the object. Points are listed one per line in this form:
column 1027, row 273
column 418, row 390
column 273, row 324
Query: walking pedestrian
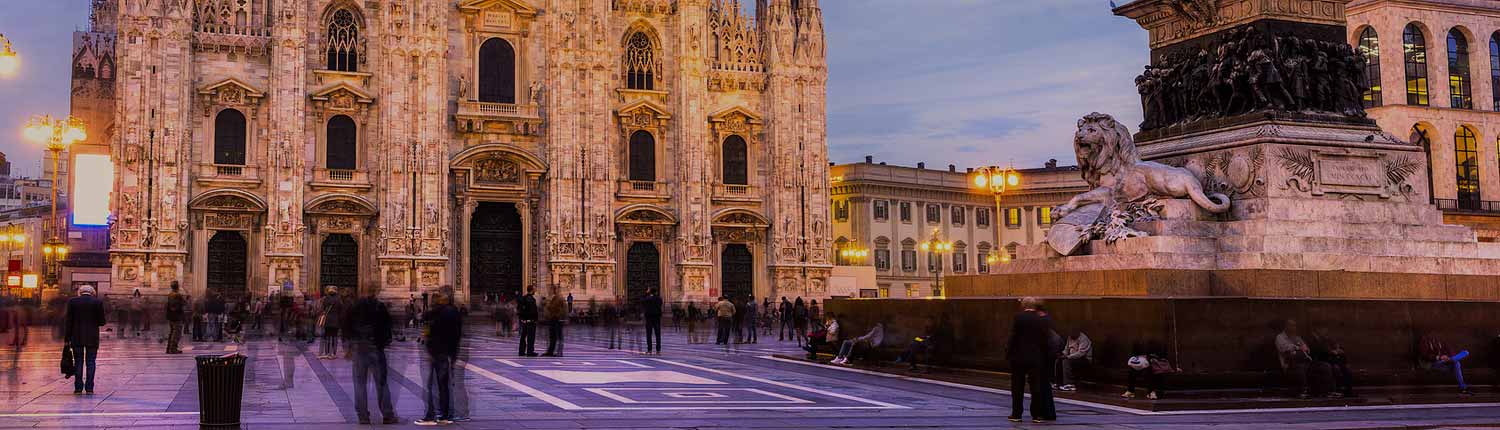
column 724, row 315
column 692, row 316
column 214, row 317
column 752, row 318
column 444, row 330
column 651, row 311
column 174, row 309
column 526, row 311
column 799, row 321
column 554, row 314
column 1028, row 351
column 328, row 320
column 785, row 312
column 84, row 316
column 368, row 329
column 137, row 313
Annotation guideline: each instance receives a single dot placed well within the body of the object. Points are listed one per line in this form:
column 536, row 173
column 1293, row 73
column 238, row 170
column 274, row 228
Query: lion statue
column 1112, row 166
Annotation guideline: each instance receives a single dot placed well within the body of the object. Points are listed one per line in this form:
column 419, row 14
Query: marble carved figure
column 1112, row 166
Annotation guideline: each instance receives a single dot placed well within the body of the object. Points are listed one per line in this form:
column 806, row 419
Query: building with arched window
column 1458, row 121
column 948, row 203
column 487, row 145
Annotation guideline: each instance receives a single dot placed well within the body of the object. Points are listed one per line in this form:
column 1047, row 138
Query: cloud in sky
column 972, row 82
column 965, row 82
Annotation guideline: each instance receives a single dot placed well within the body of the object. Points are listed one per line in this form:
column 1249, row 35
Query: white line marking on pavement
column 564, row 404
column 700, row 394
column 1143, row 412
column 508, row 362
column 882, row 405
column 94, row 414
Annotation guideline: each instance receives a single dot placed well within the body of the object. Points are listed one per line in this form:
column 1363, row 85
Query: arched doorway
column 495, row 263
column 227, row 252
column 338, row 263
column 642, row 270
column 737, row 271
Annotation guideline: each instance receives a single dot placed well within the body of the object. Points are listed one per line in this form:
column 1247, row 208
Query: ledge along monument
column 1255, row 173
column 1255, row 190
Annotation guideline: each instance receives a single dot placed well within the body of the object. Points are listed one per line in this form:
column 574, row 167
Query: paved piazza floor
column 689, row 386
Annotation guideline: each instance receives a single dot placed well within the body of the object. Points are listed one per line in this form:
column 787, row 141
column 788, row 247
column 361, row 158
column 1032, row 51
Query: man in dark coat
column 85, row 314
column 786, row 320
column 176, row 306
column 368, row 327
column 651, row 310
column 1029, row 351
column 526, row 312
column 444, row 329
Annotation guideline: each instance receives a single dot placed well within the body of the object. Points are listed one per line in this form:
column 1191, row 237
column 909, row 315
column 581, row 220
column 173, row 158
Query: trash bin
column 221, row 386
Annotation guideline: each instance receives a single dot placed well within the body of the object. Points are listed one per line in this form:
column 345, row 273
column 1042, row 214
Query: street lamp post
column 936, row 246
column 9, row 61
column 853, row 254
column 57, row 134
column 996, row 180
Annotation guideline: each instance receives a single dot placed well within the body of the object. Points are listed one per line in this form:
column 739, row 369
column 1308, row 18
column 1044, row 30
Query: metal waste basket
column 221, row 386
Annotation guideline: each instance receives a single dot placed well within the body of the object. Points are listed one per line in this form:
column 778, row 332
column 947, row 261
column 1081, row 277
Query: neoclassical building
column 601, row 147
column 1435, row 79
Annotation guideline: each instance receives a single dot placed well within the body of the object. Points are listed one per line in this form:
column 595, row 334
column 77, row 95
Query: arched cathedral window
column 343, row 143
column 343, row 42
column 497, row 72
column 642, row 156
column 229, row 137
column 736, row 161
column 640, row 63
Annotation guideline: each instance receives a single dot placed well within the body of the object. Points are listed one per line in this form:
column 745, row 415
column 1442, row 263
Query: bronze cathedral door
column 737, row 266
column 495, row 259
column 227, row 272
column 642, row 271
column 339, row 263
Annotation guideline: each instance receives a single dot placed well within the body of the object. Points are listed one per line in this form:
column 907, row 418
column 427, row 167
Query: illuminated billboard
column 93, row 181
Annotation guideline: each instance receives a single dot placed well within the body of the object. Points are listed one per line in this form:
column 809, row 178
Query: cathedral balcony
column 228, row 175
column 340, row 179
column 735, row 193
column 643, row 190
column 477, row 117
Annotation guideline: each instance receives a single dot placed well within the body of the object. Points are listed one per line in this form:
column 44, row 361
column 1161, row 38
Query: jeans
column 439, row 388
column 213, row 327
column 911, row 353
column 528, row 338
column 1153, row 380
column 653, row 332
column 369, row 361
column 330, row 344
column 1066, row 367
column 174, row 336
column 750, row 332
column 725, row 324
column 1455, row 364
column 1343, row 378
column 83, row 361
column 847, row 348
column 554, row 337
column 786, row 330
column 1041, row 392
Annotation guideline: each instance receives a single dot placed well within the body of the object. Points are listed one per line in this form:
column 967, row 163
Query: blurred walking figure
column 724, row 316
column 174, row 309
column 214, row 317
column 368, row 329
column 785, row 312
column 328, row 320
column 444, row 329
column 85, row 314
column 611, row 317
column 692, row 316
column 651, row 311
column 526, row 311
column 799, row 321
column 136, row 313
column 556, row 311
column 752, row 318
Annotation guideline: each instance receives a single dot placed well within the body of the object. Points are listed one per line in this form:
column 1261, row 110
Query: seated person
column 827, row 334
column 1296, row 361
column 1148, row 360
column 1077, row 353
column 1435, row 355
column 1329, row 352
column 872, row 339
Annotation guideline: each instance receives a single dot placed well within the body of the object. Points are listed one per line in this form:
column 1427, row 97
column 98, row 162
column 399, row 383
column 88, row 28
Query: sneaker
column 1041, row 420
column 1068, row 387
column 1128, row 395
column 1151, row 396
column 1013, row 418
column 426, row 422
column 444, row 421
column 460, row 419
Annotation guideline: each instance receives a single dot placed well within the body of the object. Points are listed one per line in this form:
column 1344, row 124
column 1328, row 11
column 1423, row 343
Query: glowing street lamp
column 9, row 61
column 934, row 245
column 852, row 252
column 56, row 134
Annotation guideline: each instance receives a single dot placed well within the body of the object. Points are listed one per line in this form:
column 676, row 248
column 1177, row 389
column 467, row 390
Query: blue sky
column 966, row 82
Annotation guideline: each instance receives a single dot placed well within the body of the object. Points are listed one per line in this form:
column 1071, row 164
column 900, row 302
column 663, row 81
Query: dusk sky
column 966, row 82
